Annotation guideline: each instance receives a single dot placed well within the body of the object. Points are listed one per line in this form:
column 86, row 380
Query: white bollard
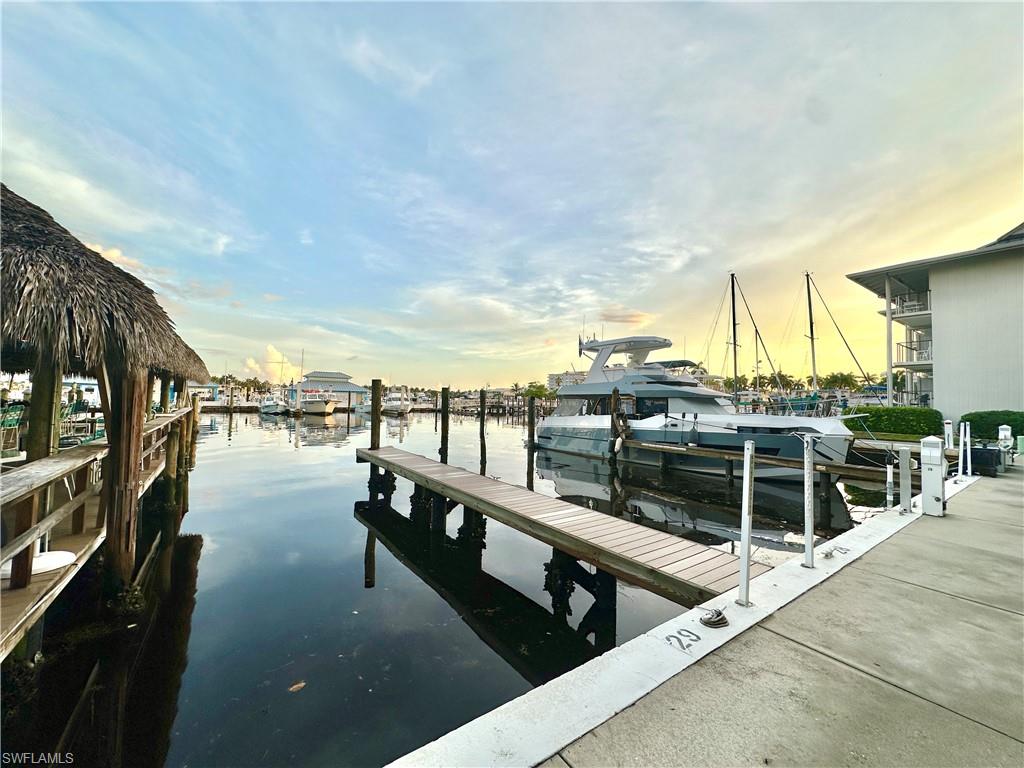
column 905, row 480
column 888, row 485
column 746, row 522
column 933, row 470
column 947, row 433
column 808, row 501
column 967, row 450
column 960, row 455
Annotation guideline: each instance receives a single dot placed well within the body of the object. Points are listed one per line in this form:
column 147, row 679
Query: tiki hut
column 64, row 308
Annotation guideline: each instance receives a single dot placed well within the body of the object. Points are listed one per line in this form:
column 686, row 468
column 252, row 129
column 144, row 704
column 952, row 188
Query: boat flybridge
column 664, row 403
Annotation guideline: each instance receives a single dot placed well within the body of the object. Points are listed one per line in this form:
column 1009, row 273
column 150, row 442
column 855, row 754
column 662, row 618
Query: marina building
column 954, row 327
column 331, row 382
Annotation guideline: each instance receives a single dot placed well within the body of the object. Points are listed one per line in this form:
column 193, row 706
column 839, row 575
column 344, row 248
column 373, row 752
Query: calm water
column 278, row 645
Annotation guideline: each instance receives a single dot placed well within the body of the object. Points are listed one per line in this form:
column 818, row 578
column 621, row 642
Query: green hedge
column 904, row 420
column 985, row 424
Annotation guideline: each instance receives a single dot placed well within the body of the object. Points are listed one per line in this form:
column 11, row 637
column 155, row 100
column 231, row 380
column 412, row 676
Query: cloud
column 276, row 369
column 619, row 314
column 272, row 297
column 377, row 66
column 305, row 237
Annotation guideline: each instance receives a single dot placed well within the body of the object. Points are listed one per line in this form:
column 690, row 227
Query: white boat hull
column 318, row 407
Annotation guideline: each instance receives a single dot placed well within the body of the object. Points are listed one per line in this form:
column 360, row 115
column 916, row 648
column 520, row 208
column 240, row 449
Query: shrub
column 985, row 424
column 901, row 420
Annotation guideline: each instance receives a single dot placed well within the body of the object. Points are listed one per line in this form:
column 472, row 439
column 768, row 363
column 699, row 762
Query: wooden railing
column 26, row 490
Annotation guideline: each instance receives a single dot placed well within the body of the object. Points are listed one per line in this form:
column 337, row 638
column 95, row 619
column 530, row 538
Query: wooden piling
column 375, row 414
column 150, row 383
column 483, row 433
column 165, row 393
column 129, row 399
column 171, row 451
column 81, row 483
column 531, row 437
column 445, row 405
column 44, row 412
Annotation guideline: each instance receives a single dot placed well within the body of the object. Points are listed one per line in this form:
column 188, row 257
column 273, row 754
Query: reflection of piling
column 370, row 561
column 483, row 438
column 375, row 415
column 445, row 404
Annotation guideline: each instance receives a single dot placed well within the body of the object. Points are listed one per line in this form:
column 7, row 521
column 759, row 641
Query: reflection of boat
column 664, row 404
column 698, row 507
column 397, row 401
column 317, row 403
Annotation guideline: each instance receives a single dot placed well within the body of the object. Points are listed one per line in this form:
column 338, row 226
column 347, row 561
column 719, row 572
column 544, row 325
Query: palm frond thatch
column 65, row 300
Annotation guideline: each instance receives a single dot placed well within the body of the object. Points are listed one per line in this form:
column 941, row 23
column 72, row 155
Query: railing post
column 808, row 501
column 888, row 483
column 171, row 451
column 81, row 483
column 960, row 455
column 375, row 406
column 746, row 522
column 25, row 516
column 967, row 451
column 905, row 480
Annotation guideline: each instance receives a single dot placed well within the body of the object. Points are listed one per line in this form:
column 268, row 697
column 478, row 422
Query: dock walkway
column 912, row 655
column 676, row 568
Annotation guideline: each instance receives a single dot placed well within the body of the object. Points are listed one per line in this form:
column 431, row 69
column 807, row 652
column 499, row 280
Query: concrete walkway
column 911, row 656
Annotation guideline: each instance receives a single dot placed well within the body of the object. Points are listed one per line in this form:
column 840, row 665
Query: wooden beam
column 25, row 516
column 165, row 393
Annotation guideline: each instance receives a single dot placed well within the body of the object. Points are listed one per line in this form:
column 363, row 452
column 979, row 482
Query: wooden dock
column 668, row 565
column 78, row 525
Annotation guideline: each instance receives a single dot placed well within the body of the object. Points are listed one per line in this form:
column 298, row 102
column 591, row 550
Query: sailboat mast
column 810, row 322
column 735, row 343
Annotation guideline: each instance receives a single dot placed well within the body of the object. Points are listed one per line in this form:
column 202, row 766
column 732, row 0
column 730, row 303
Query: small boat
column 273, row 406
column 317, row 403
column 664, row 404
column 397, row 401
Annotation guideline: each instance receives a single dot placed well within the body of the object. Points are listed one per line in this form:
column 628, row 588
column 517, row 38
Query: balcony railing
column 910, row 303
column 914, row 352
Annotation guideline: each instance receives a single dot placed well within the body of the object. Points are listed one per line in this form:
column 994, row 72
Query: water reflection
column 697, row 507
column 539, row 644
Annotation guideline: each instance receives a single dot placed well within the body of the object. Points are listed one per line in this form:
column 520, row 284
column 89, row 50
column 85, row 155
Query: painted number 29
column 684, row 638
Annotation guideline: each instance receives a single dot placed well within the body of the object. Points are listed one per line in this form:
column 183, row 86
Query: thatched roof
column 63, row 298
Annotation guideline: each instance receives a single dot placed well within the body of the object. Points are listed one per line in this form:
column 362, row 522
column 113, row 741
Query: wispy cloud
column 305, row 236
column 272, row 297
column 374, row 64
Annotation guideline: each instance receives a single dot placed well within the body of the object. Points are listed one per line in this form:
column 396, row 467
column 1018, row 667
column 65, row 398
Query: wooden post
column 171, row 448
column 44, row 411
column 165, row 393
column 180, row 392
column 375, row 406
column 81, row 483
column 25, row 516
column 483, row 437
column 231, row 398
column 128, row 399
column 150, row 382
column 445, row 405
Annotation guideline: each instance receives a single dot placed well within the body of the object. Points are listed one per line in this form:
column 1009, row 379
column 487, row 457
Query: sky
column 447, row 194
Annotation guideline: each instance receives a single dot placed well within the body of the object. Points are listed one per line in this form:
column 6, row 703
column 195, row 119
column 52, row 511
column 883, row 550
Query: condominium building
column 556, row 380
column 955, row 327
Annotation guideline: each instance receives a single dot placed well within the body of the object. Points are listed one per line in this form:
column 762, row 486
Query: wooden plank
column 639, row 546
column 700, row 563
column 678, row 545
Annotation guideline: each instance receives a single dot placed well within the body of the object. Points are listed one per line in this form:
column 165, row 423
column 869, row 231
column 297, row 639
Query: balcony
column 912, row 309
column 917, row 354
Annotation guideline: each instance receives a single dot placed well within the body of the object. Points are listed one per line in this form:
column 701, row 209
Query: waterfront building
column 556, row 380
column 959, row 316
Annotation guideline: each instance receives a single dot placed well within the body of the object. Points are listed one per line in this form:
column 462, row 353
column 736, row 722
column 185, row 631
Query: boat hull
column 318, row 407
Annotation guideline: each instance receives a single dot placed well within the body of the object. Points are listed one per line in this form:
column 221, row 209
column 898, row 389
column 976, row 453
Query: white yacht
column 664, row 404
column 272, row 405
column 317, row 403
column 397, row 401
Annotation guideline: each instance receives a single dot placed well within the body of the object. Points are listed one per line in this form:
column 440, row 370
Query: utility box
column 1005, row 437
column 933, row 477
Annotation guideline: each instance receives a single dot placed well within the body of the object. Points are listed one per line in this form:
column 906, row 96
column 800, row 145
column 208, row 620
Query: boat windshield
column 581, row 406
